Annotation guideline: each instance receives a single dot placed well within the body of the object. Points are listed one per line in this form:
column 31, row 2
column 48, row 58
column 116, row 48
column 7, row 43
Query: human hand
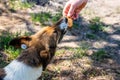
column 73, row 7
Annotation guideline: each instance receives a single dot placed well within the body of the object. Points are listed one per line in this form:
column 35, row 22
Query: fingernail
column 69, row 15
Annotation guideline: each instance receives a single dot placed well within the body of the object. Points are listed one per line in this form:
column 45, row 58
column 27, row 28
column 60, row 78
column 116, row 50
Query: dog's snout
column 64, row 25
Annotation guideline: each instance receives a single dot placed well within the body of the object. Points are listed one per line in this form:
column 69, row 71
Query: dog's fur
column 40, row 49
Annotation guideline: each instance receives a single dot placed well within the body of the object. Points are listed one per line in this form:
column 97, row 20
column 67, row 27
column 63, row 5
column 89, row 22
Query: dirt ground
column 65, row 66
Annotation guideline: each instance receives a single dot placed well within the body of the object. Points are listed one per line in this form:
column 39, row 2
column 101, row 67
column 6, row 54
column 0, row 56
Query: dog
column 38, row 51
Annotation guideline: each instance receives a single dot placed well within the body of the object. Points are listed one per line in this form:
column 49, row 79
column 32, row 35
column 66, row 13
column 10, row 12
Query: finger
column 75, row 16
column 81, row 7
column 71, row 10
column 66, row 9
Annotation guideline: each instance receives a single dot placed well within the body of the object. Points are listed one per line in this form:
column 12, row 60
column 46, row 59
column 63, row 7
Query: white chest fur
column 19, row 71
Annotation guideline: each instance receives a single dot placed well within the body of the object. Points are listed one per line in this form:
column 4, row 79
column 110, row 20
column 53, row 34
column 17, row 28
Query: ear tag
column 23, row 46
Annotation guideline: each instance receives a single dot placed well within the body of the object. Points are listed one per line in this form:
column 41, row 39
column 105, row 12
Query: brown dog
column 39, row 50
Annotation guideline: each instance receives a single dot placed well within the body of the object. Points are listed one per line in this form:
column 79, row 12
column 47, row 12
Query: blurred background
column 89, row 51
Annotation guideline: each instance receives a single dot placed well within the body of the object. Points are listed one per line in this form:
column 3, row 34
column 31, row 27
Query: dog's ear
column 20, row 42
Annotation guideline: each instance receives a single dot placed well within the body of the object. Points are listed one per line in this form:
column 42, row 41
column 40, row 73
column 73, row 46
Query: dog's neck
column 30, row 57
column 29, row 65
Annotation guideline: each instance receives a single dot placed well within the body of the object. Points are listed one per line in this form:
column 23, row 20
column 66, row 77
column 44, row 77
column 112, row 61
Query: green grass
column 17, row 4
column 5, row 38
column 42, row 17
column 99, row 55
column 96, row 24
column 91, row 36
column 59, row 52
column 45, row 18
column 10, row 51
column 56, row 17
column 48, row 75
column 74, row 52
column 75, row 24
column 3, row 63
column 79, row 52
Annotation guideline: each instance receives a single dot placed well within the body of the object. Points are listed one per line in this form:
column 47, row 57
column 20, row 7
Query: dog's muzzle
column 63, row 27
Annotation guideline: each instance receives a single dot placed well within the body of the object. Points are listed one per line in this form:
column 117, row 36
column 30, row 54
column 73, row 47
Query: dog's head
column 50, row 35
column 41, row 47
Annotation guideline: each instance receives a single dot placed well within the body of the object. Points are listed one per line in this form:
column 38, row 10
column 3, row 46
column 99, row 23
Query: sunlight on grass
column 59, row 52
column 45, row 18
column 42, row 17
column 10, row 51
column 79, row 52
column 18, row 4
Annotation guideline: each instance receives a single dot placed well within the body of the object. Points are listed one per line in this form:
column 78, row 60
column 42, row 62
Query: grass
column 5, row 38
column 18, row 4
column 45, row 18
column 76, row 52
column 75, row 24
column 56, row 17
column 10, row 51
column 3, row 63
column 96, row 24
column 94, row 72
column 42, row 17
column 79, row 52
column 100, row 55
column 91, row 36
column 59, row 52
